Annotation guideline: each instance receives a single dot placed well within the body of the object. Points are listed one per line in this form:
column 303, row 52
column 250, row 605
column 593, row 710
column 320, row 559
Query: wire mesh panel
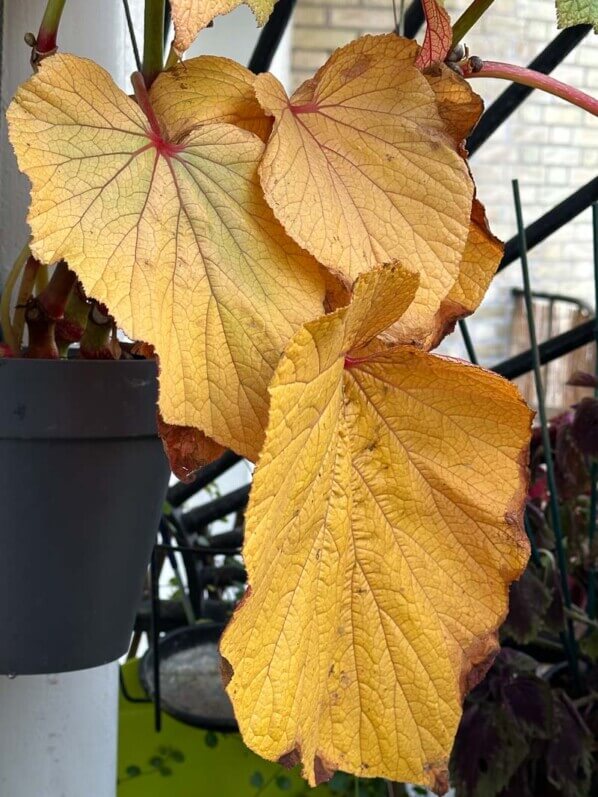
column 554, row 315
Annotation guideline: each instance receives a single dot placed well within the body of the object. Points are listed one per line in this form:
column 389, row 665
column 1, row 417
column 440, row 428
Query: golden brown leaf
column 384, row 527
column 191, row 16
column 208, row 89
column 482, row 256
column 361, row 169
column 458, row 104
column 173, row 236
column 187, row 448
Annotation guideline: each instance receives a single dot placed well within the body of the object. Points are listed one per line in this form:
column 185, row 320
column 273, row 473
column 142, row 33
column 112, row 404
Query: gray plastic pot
column 83, row 477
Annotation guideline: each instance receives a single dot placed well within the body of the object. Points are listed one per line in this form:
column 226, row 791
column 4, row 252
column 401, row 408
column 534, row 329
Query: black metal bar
column 232, row 539
column 553, row 220
column 270, row 37
column 201, row 516
column 154, row 578
column 469, row 347
column 550, row 57
column 554, row 297
column 414, row 19
column 132, row 35
column 549, row 350
column 203, row 550
column 126, row 694
column 222, row 576
column 181, row 492
column 167, row 22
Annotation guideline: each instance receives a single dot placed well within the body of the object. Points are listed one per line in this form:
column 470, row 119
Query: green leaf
column 156, row 762
column 211, row 739
column 257, row 780
column 133, row 771
column 283, row 782
column 577, row 12
column 589, row 646
column 340, row 783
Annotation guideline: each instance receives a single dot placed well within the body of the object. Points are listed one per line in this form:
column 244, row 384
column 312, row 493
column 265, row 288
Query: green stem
column 536, row 559
column 153, row 40
column 48, row 30
column 536, row 80
column 592, row 575
column 546, row 444
column 468, row 19
column 98, row 342
column 7, row 291
column 173, row 58
column 580, row 617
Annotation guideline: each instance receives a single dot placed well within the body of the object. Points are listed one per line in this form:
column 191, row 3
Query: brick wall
column 551, row 147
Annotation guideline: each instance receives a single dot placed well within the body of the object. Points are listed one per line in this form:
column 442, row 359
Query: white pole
column 58, row 735
column 94, row 30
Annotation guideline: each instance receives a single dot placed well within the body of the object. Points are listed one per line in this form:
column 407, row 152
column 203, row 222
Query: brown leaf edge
column 451, row 312
column 188, row 449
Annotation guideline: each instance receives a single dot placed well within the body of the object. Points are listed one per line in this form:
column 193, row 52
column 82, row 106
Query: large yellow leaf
column 481, row 257
column 174, row 237
column 191, row 16
column 208, row 89
column 362, row 168
column 384, row 527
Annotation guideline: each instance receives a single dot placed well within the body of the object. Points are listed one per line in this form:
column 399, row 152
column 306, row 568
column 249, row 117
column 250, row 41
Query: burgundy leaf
column 582, row 379
column 585, row 426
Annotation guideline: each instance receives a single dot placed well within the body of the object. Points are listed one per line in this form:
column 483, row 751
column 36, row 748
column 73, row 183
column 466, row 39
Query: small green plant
column 161, row 763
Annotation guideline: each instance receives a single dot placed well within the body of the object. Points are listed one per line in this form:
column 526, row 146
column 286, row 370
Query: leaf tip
column 439, row 776
column 323, row 772
column 290, row 759
column 477, row 660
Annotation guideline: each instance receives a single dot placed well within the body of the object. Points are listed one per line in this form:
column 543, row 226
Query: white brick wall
column 551, row 147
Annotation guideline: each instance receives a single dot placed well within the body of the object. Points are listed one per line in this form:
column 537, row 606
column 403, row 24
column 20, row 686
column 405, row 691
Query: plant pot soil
column 83, row 477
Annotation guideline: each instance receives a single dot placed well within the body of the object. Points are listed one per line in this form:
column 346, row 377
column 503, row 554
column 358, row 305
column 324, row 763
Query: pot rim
column 77, row 399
